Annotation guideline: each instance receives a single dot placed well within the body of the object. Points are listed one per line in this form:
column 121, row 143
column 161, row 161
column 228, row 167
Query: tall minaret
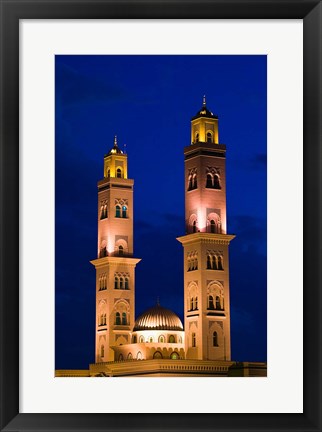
column 115, row 265
column 206, row 268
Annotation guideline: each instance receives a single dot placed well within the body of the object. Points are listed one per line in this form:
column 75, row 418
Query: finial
column 158, row 301
column 115, row 141
column 124, row 148
column 204, row 100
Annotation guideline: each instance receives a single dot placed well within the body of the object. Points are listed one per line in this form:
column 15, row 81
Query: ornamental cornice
column 199, row 237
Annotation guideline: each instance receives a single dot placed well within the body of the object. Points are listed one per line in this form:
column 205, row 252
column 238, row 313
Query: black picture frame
column 11, row 12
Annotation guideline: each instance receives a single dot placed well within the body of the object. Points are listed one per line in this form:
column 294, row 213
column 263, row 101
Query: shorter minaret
column 206, row 263
column 115, row 265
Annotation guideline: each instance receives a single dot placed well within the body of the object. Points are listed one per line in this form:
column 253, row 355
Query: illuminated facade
column 206, row 263
column 156, row 343
column 115, row 265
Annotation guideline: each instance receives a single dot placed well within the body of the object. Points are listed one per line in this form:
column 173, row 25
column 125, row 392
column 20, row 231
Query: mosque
column 157, row 343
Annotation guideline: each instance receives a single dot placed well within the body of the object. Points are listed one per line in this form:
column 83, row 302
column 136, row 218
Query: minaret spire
column 115, row 141
column 204, row 100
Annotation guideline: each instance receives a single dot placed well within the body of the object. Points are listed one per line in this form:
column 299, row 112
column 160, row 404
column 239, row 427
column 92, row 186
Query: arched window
column 124, row 320
column 103, row 252
column 211, row 305
column 180, row 339
column 171, row 339
column 126, row 283
column 194, row 226
column 218, row 305
column 215, row 339
column 216, row 182
column 157, row 355
column 104, row 319
column 189, row 183
column 105, row 211
column 108, row 173
column 121, row 283
column 118, row 173
column 150, row 339
column 212, row 226
column 102, row 350
column 197, row 137
column 118, row 211
column 141, row 340
column 117, row 318
column 174, row 356
column 124, row 212
column 214, row 263
column 209, row 137
column 139, row 355
column 209, row 181
column 191, row 303
column 129, row 356
column 161, row 339
column 220, row 263
column 196, row 303
column 121, row 250
column 209, row 262
column 121, row 357
column 102, row 213
column 194, row 181
column 134, row 339
column 193, row 340
column 116, row 283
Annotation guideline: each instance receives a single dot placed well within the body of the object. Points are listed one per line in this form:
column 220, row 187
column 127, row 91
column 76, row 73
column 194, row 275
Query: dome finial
column 115, row 141
column 204, row 100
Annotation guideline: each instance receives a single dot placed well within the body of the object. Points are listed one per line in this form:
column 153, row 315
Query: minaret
column 206, row 267
column 115, row 265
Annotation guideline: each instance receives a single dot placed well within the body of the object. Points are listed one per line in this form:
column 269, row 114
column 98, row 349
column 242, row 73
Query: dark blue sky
column 148, row 101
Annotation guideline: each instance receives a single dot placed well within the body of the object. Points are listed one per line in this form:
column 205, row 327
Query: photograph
column 160, row 216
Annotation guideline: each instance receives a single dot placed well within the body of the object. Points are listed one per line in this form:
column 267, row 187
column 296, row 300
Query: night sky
column 148, row 102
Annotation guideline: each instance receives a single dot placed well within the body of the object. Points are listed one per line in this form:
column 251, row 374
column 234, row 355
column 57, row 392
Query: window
column 124, row 319
column 220, row 263
column 216, row 182
column 139, row 355
column 121, row 283
column 117, row 318
column 134, row 339
column 194, row 181
column 174, row 356
column 218, row 305
column 208, row 261
column 171, row 339
column 118, row 173
column 127, row 283
column 118, row 211
column 194, row 226
column 214, row 263
column 161, row 339
column 196, row 303
column 157, row 355
column 116, row 283
column 124, row 212
column 191, row 303
column 209, row 137
column 215, row 339
column 193, row 340
column 104, row 319
column 102, row 350
column 150, row 339
column 141, row 340
column 129, row 356
column 121, row 250
column 189, row 183
column 209, row 181
column 197, row 137
column 212, row 226
column 121, row 357
column 108, row 173
column 211, row 305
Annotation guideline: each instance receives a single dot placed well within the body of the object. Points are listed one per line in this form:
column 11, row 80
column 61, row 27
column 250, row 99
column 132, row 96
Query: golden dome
column 158, row 318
